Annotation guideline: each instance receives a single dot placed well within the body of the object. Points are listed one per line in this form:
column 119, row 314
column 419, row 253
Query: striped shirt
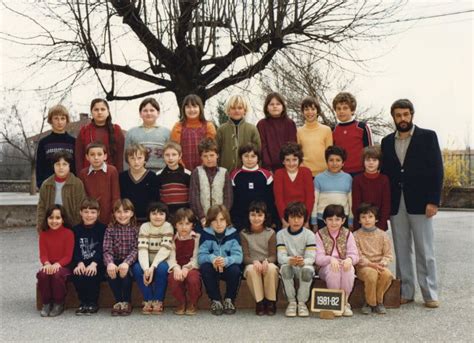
column 299, row 243
column 174, row 187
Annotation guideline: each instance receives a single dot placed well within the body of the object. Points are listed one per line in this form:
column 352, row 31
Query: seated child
column 184, row 278
column 259, row 249
column 56, row 245
column 155, row 243
column 336, row 253
column 375, row 254
column 88, row 257
column 120, row 252
column 296, row 253
column 219, row 258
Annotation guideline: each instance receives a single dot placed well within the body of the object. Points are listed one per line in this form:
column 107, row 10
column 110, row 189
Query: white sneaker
column 291, row 309
column 302, row 310
column 347, row 311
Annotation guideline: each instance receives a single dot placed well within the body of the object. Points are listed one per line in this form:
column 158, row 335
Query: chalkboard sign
column 323, row 299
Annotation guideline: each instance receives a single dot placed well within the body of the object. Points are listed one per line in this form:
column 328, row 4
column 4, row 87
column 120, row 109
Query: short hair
column 345, row 97
column 193, row 99
column 372, row 151
column 311, row 101
column 402, row 103
column 58, row 110
column 49, row 212
column 295, row 209
column 157, row 206
column 365, row 208
column 94, row 145
column 236, row 100
column 126, row 204
column 207, row 144
column 291, row 148
column 151, row 101
column 174, row 146
column 334, row 210
column 259, row 207
column 249, row 147
column 63, row 154
column 134, row 149
column 335, row 150
column 184, row 213
column 280, row 99
column 89, row 203
column 214, row 211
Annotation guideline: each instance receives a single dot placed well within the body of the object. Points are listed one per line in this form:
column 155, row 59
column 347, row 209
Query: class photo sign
column 323, row 299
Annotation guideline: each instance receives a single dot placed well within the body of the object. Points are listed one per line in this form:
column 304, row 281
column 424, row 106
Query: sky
column 428, row 61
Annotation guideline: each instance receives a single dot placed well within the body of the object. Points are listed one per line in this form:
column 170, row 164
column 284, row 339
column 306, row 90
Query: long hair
column 108, row 123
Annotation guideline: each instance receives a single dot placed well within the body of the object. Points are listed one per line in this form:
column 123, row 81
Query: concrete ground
column 453, row 321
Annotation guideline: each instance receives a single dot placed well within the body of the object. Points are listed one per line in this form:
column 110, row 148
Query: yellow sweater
column 314, row 138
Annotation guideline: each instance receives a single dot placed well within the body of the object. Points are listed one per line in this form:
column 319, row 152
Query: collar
column 236, row 122
column 193, row 235
column 372, row 176
column 60, row 179
column 312, row 125
column 397, row 134
column 103, row 168
column 369, row 229
column 295, row 233
column 251, row 169
column 349, row 122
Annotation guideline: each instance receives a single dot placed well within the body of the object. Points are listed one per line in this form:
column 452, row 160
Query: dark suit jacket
column 420, row 176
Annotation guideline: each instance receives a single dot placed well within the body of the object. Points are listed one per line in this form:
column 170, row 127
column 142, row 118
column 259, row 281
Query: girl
column 191, row 129
column 102, row 130
column 219, row 258
column 149, row 134
column 259, row 250
column 275, row 130
column 56, row 245
column 155, row 243
column 120, row 252
column 336, row 253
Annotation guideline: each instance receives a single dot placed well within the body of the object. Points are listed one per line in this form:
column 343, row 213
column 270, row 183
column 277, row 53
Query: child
column 296, row 255
column 219, row 258
column 88, row 257
column 259, row 250
column 61, row 188
column 155, row 243
column 185, row 278
column 275, row 130
column 234, row 133
column 173, row 180
column 333, row 186
column 100, row 180
column 152, row 136
column 350, row 134
column 375, row 254
column 191, row 129
column 250, row 183
column 372, row 187
column 138, row 184
column 120, row 252
column 314, row 137
column 100, row 130
column 293, row 182
column 56, row 244
column 336, row 253
column 210, row 184
column 57, row 140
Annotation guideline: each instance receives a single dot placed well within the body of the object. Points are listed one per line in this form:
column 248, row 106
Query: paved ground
column 453, row 321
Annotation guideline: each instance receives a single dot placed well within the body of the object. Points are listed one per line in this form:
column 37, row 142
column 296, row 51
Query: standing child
column 57, row 140
column 184, row 278
column 88, row 257
column 235, row 132
column 155, row 243
column 336, row 253
column 219, row 258
column 100, row 130
column 275, row 130
column 375, row 253
column 56, row 245
column 152, row 136
column 191, row 129
column 259, row 249
column 120, row 252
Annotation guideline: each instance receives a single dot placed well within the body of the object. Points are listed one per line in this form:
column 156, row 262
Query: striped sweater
column 174, row 187
column 154, row 244
column 299, row 243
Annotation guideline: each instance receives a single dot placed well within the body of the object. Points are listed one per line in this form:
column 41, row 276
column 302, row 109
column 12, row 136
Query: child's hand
column 55, row 268
column 123, row 269
column 91, row 269
column 264, row 266
column 184, row 272
column 148, row 275
column 334, row 265
column 80, row 269
column 112, row 270
column 178, row 274
column 346, row 264
column 257, row 266
column 300, row 261
column 46, row 267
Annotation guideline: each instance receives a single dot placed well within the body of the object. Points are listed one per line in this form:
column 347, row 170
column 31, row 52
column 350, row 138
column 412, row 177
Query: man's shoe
column 260, row 308
column 347, row 311
column 229, row 307
column 366, row 309
column 81, row 310
column 380, row 309
column 56, row 310
column 45, row 310
column 216, row 307
column 432, row 303
column 404, row 301
column 302, row 310
column 191, row 310
column 180, row 309
column 291, row 309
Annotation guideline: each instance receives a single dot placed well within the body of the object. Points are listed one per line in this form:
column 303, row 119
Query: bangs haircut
column 207, row 144
column 366, row 208
column 151, row 101
column 335, row 150
column 258, row 207
column 183, row 214
column 310, row 102
column 65, row 155
column 291, row 148
column 94, row 145
column 157, row 206
column 133, row 149
column 89, row 203
column 126, row 204
column 195, row 100
column 234, row 101
column 280, row 99
column 334, row 210
column 295, row 209
column 214, row 211
column 372, row 151
column 347, row 98
column 249, row 147
column 49, row 212
column 58, row 110
column 174, row 146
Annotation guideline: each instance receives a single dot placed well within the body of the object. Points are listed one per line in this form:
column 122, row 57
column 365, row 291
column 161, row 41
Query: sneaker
column 92, row 308
column 432, row 303
column 180, row 309
column 45, row 310
column 260, row 308
column 126, row 309
column 216, row 308
column 191, row 310
column 291, row 309
column 116, row 309
column 229, row 307
column 56, row 310
column 147, row 307
column 271, row 308
column 81, row 310
column 347, row 311
column 380, row 309
column 302, row 310
column 366, row 309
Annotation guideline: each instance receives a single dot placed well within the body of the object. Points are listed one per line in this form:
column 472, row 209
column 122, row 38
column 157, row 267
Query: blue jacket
column 229, row 247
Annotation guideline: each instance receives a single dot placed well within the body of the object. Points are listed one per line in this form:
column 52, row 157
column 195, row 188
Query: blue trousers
column 157, row 289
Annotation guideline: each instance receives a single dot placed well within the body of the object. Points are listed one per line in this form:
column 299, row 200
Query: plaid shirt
column 121, row 243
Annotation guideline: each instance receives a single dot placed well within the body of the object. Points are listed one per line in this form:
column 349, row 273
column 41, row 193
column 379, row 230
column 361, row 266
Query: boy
column 61, row 188
column 351, row 135
column 210, row 184
column 100, row 180
column 235, row 132
column 375, row 254
column 59, row 139
column 137, row 183
column 296, row 251
column 313, row 136
column 333, row 186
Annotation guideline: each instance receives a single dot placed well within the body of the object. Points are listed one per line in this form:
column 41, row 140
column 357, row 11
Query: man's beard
column 404, row 128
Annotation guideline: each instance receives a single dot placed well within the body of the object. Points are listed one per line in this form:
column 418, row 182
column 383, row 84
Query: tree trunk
column 33, row 178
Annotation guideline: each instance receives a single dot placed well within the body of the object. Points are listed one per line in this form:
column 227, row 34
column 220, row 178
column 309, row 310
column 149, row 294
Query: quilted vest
column 340, row 241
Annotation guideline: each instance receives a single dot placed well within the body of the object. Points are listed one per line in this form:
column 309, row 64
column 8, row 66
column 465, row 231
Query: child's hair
column 96, row 145
column 89, row 203
column 372, row 151
column 108, row 123
column 291, row 148
column 236, row 100
column 126, row 204
column 157, row 206
column 63, row 154
column 280, row 99
column 174, row 146
column 311, row 101
column 295, row 209
column 151, row 101
column 258, row 207
column 58, row 110
column 334, row 210
column 184, row 213
column 365, row 208
column 335, row 150
column 249, row 147
column 402, row 103
column 193, row 99
column 345, row 97
column 133, row 149
column 207, row 144
column 49, row 212
column 214, row 211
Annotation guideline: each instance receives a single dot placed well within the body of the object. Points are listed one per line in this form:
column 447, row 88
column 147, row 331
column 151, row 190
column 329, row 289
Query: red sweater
column 56, row 246
column 374, row 189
